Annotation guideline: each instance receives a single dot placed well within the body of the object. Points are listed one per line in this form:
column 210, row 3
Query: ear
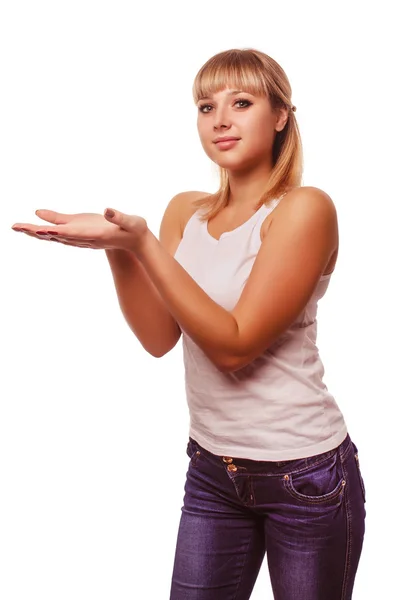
column 282, row 115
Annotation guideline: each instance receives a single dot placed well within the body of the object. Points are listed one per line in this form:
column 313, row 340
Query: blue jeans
column 307, row 515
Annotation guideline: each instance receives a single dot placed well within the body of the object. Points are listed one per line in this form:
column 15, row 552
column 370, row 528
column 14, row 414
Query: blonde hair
column 261, row 75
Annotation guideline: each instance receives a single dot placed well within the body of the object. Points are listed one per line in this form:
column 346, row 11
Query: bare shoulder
column 312, row 209
column 302, row 204
column 308, row 199
column 177, row 213
column 187, row 209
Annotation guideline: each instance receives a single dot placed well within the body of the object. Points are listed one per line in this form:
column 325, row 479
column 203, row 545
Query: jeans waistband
column 273, row 466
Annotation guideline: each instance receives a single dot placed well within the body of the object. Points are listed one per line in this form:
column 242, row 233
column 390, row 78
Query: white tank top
column 277, row 407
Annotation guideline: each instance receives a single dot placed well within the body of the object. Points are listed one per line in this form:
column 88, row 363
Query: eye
column 205, row 108
column 240, row 103
column 243, row 103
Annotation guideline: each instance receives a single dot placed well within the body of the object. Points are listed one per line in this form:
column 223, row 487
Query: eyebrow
column 232, row 93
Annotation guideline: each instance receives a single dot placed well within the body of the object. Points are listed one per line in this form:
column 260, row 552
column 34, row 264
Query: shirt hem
column 266, row 454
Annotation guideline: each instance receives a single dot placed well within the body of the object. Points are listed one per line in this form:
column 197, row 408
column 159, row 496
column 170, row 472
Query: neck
column 246, row 188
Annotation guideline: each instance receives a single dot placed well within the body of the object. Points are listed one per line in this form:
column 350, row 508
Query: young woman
column 239, row 274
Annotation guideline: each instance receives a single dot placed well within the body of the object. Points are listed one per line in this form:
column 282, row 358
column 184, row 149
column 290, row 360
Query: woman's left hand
column 113, row 230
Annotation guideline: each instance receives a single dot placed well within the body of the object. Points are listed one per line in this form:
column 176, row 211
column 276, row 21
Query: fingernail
column 110, row 213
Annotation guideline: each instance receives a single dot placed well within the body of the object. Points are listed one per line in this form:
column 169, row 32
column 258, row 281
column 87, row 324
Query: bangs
column 235, row 69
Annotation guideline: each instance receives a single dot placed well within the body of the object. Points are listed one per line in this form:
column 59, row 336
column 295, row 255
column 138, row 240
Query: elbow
column 159, row 346
column 229, row 365
column 234, row 363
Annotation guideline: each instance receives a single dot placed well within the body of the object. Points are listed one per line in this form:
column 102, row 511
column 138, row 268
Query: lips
column 226, row 143
column 225, row 139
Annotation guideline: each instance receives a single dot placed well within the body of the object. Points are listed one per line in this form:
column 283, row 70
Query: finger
column 40, row 235
column 24, row 227
column 52, row 217
column 118, row 218
column 65, row 243
column 49, row 236
column 29, row 228
column 31, row 234
column 76, row 241
column 60, row 237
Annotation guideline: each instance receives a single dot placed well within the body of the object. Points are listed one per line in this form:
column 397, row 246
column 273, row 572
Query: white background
column 96, row 111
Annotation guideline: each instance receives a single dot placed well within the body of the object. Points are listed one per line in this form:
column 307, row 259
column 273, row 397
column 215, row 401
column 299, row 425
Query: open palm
column 87, row 230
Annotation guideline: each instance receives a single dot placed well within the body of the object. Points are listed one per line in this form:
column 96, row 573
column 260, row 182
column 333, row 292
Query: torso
column 225, row 220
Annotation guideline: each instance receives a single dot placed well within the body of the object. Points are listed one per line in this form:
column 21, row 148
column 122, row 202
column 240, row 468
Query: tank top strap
column 263, row 213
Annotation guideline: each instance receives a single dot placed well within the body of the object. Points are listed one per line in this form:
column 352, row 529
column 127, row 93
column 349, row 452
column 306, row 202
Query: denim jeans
column 307, row 515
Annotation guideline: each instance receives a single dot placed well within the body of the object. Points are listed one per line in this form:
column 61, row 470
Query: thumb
column 52, row 217
column 118, row 218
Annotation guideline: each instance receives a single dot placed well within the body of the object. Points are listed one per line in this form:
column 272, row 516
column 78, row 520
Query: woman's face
column 247, row 122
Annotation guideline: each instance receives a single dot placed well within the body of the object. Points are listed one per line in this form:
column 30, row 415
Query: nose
column 221, row 120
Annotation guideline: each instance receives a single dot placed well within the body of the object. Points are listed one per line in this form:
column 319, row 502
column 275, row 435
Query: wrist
column 144, row 245
column 117, row 252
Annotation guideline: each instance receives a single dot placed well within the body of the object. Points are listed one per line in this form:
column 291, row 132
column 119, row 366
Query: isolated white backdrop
column 96, row 111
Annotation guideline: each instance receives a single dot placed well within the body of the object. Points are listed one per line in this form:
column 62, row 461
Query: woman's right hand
column 95, row 221
column 110, row 231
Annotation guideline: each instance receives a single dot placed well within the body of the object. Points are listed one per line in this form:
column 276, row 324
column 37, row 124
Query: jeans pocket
column 322, row 482
column 360, row 476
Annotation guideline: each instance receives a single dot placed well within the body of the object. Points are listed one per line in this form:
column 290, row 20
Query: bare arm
column 142, row 305
column 289, row 264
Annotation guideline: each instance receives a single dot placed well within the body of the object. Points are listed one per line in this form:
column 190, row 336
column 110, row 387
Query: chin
column 234, row 159
column 227, row 159
column 232, row 163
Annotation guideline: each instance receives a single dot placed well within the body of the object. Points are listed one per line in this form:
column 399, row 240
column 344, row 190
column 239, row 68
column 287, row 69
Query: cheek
column 201, row 131
column 260, row 135
column 202, row 125
column 205, row 134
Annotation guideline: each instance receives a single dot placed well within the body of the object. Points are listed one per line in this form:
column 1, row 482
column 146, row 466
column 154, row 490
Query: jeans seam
column 335, row 494
column 279, row 475
column 348, row 534
column 321, row 460
column 249, row 488
column 241, row 574
column 362, row 484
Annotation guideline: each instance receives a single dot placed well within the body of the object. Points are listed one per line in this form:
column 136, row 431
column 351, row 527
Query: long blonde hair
column 259, row 74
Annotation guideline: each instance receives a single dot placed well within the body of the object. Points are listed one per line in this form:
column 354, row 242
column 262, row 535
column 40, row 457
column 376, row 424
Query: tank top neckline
column 214, row 240
column 204, row 228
